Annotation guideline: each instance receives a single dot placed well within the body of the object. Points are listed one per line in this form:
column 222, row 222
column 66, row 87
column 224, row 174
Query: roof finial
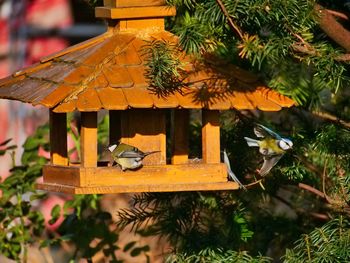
column 135, row 14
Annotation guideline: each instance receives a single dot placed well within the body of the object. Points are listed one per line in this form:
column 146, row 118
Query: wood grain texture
column 261, row 103
column 118, row 76
column 141, row 23
column 147, row 175
column 112, row 99
column 275, row 97
column 59, row 174
column 138, row 97
column 134, row 12
column 240, row 101
column 59, row 94
column 88, row 101
column 113, row 66
column 187, row 99
column 98, row 83
column 76, row 47
column 114, row 189
column 128, row 57
column 145, row 129
column 211, row 136
column 69, row 106
column 137, row 74
column 78, row 75
column 134, row 3
column 88, row 139
column 180, row 137
column 58, row 138
column 165, row 102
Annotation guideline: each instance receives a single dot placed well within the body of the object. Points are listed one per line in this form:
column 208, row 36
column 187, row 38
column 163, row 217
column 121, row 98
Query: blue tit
column 272, row 147
column 127, row 156
column 231, row 175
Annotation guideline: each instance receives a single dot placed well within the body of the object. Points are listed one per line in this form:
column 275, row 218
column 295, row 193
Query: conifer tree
column 300, row 211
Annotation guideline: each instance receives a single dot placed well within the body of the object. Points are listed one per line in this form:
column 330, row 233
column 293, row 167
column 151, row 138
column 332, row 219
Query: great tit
column 127, row 156
column 231, row 175
column 272, row 147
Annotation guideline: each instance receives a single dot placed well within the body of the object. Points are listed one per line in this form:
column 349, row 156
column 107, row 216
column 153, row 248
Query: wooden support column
column 58, row 138
column 114, row 126
column 88, row 139
column 211, row 136
column 180, row 137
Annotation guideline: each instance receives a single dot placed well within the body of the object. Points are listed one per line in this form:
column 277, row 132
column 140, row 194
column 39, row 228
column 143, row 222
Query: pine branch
column 332, row 118
column 335, row 203
column 343, row 57
column 306, row 48
column 333, row 28
column 313, row 190
column 337, row 14
column 301, row 210
column 233, row 26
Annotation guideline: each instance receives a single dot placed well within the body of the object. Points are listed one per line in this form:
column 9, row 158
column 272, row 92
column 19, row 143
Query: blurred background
column 30, row 30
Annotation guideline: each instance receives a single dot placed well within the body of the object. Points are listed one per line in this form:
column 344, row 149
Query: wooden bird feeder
column 108, row 72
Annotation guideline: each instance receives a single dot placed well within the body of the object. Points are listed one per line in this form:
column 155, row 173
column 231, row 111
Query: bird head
column 112, row 147
column 285, row 144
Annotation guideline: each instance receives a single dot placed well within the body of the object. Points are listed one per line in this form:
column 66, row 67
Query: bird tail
column 231, row 175
column 251, row 142
column 148, row 153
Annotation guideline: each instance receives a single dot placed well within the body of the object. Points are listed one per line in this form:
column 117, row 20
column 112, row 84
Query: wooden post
column 180, row 137
column 88, row 139
column 211, row 136
column 114, row 126
column 58, row 138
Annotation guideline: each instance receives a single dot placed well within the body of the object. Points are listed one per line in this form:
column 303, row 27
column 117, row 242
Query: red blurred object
column 17, row 120
column 46, row 207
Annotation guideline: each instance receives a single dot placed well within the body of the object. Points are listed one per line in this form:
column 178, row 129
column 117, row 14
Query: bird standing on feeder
column 272, row 147
column 127, row 156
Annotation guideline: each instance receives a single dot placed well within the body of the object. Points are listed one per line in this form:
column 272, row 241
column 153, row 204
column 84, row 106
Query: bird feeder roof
column 108, row 72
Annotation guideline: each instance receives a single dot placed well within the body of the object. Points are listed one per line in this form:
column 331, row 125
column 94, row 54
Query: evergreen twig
column 232, row 24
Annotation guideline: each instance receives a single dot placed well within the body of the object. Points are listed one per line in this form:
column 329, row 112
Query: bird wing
column 261, row 131
column 130, row 154
column 269, row 162
column 230, row 173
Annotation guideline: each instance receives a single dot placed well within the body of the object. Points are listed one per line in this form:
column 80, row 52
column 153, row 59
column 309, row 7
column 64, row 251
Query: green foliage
column 280, row 38
column 86, row 226
column 85, row 223
column 21, row 224
column 329, row 243
column 217, row 256
column 164, row 68
column 190, row 221
column 334, row 141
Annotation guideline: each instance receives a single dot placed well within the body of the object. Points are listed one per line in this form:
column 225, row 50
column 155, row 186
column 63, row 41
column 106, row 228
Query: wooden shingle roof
column 108, row 72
